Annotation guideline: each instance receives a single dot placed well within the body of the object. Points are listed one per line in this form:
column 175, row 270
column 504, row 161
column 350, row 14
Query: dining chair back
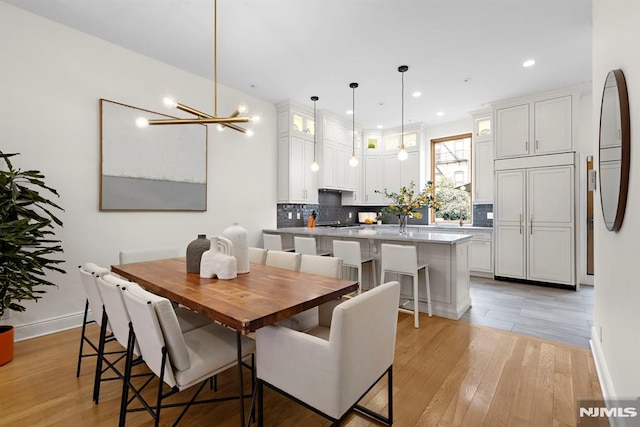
column 313, row 264
column 280, row 259
column 307, row 246
column 257, row 255
column 403, row 260
column 93, row 302
column 332, row 376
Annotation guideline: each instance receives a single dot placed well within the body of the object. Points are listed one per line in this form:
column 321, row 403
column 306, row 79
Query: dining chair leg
column 98, row 375
column 260, row 409
column 84, row 328
column 359, row 279
column 127, row 376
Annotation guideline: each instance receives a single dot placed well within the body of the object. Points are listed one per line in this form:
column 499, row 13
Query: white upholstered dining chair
column 257, row 255
column 286, row 260
column 179, row 359
column 331, row 376
column 313, row 264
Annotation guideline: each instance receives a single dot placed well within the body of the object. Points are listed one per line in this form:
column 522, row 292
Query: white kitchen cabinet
column 483, row 172
column 296, row 129
column 481, row 253
column 397, row 174
column 535, row 219
column 336, row 146
column 535, row 125
column 373, row 180
column 298, row 183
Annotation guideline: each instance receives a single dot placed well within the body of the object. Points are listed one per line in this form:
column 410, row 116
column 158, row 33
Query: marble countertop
column 377, row 233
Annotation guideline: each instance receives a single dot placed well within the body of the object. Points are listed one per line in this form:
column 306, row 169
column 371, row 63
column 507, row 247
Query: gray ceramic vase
column 195, row 249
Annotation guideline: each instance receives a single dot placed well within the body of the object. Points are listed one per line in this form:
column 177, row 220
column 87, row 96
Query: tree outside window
column 451, row 173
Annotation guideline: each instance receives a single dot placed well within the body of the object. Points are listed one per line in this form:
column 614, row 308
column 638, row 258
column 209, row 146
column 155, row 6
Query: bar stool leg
column 416, row 323
column 373, row 272
column 359, row 279
column 428, row 283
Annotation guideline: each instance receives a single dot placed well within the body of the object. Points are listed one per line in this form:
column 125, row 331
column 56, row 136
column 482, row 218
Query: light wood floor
column 445, row 373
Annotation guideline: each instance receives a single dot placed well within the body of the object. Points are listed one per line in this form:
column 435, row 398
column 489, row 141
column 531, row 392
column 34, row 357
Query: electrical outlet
column 289, row 215
column 489, row 215
column 350, row 215
column 297, row 215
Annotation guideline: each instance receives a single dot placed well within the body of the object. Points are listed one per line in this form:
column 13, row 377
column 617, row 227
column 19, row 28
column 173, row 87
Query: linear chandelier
column 238, row 116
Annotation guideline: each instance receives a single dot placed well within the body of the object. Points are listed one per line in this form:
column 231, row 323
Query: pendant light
column 238, row 116
column 353, row 161
column 314, row 165
column 402, row 154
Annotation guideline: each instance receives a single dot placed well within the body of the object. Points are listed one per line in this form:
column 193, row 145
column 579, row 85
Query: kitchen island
column 446, row 254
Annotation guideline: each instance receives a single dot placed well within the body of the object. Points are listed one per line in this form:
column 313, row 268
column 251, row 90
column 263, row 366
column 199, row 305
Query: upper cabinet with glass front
column 534, row 125
column 482, row 128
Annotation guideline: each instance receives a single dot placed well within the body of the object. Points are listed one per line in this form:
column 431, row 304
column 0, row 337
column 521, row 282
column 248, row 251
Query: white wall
column 616, row 332
column 51, row 80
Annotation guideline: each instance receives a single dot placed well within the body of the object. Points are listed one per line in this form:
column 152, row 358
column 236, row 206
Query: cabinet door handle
column 531, row 224
column 536, row 144
column 520, row 223
column 526, row 146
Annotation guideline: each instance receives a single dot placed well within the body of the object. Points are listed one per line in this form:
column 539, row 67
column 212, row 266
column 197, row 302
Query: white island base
column 446, row 254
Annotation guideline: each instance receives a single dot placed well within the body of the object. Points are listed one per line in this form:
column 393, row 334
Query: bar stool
column 351, row 256
column 273, row 242
column 307, row 246
column 401, row 259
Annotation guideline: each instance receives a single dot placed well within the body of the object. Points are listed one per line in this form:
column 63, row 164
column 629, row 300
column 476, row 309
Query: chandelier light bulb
column 403, row 155
column 314, row 166
column 220, row 128
column 256, row 120
column 243, row 109
column 353, row 161
column 169, row 102
column 142, row 122
column 250, row 133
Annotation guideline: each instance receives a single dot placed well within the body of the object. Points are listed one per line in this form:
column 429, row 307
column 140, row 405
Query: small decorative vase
column 218, row 260
column 238, row 236
column 403, row 224
column 195, row 249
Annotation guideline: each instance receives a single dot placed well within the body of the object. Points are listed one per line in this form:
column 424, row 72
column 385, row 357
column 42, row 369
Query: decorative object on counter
column 218, row 260
column 237, row 235
column 311, row 222
column 195, row 249
column 238, row 116
column 406, row 203
column 402, row 154
column 353, row 161
column 314, row 166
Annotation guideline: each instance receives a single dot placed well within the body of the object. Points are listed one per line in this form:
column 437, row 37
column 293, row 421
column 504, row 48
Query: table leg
column 240, row 379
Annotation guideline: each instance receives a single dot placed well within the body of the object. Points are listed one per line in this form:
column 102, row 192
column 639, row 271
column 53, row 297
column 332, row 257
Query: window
column 451, row 175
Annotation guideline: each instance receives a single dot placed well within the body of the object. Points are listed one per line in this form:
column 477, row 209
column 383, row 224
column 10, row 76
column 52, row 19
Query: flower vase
column 403, row 224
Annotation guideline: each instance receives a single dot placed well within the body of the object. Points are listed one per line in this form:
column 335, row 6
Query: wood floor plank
column 542, row 410
column 520, row 413
column 563, row 396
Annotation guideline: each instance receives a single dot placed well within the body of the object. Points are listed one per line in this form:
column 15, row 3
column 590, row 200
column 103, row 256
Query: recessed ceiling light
column 528, row 63
column 380, row 126
column 440, row 113
column 417, row 94
column 466, row 80
column 349, row 112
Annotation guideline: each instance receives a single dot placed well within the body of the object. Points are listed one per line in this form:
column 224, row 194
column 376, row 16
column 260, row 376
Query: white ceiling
column 293, row 49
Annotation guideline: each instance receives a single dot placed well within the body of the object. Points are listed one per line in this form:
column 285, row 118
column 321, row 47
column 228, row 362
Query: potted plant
column 26, row 242
column 407, row 203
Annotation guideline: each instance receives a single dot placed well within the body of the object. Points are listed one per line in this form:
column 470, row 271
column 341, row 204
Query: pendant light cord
column 215, row 59
column 402, row 115
column 353, row 122
column 315, row 125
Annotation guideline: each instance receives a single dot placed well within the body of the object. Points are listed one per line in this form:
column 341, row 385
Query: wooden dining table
column 259, row 298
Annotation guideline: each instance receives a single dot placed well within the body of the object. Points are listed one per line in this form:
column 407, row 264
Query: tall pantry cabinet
column 535, row 197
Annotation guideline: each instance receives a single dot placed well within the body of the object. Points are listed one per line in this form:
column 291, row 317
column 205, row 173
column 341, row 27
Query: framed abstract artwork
column 156, row 168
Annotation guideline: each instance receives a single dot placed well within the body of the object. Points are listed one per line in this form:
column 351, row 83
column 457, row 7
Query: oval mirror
column 614, row 146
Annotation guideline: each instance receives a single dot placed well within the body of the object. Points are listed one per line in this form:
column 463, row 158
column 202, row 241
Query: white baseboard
column 49, row 326
column 608, row 391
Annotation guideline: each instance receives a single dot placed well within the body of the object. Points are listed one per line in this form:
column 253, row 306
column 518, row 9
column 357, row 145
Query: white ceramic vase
column 218, row 260
column 238, row 236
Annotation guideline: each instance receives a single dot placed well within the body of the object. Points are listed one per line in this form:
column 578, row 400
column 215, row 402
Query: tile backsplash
column 481, row 212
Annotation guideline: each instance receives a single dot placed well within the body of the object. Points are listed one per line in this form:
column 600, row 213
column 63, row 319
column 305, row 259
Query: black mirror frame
column 625, row 127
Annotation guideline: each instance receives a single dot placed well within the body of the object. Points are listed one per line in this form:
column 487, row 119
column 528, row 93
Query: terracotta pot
column 6, row 344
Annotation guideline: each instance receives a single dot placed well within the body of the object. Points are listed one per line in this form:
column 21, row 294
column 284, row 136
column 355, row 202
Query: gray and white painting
column 162, row 167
